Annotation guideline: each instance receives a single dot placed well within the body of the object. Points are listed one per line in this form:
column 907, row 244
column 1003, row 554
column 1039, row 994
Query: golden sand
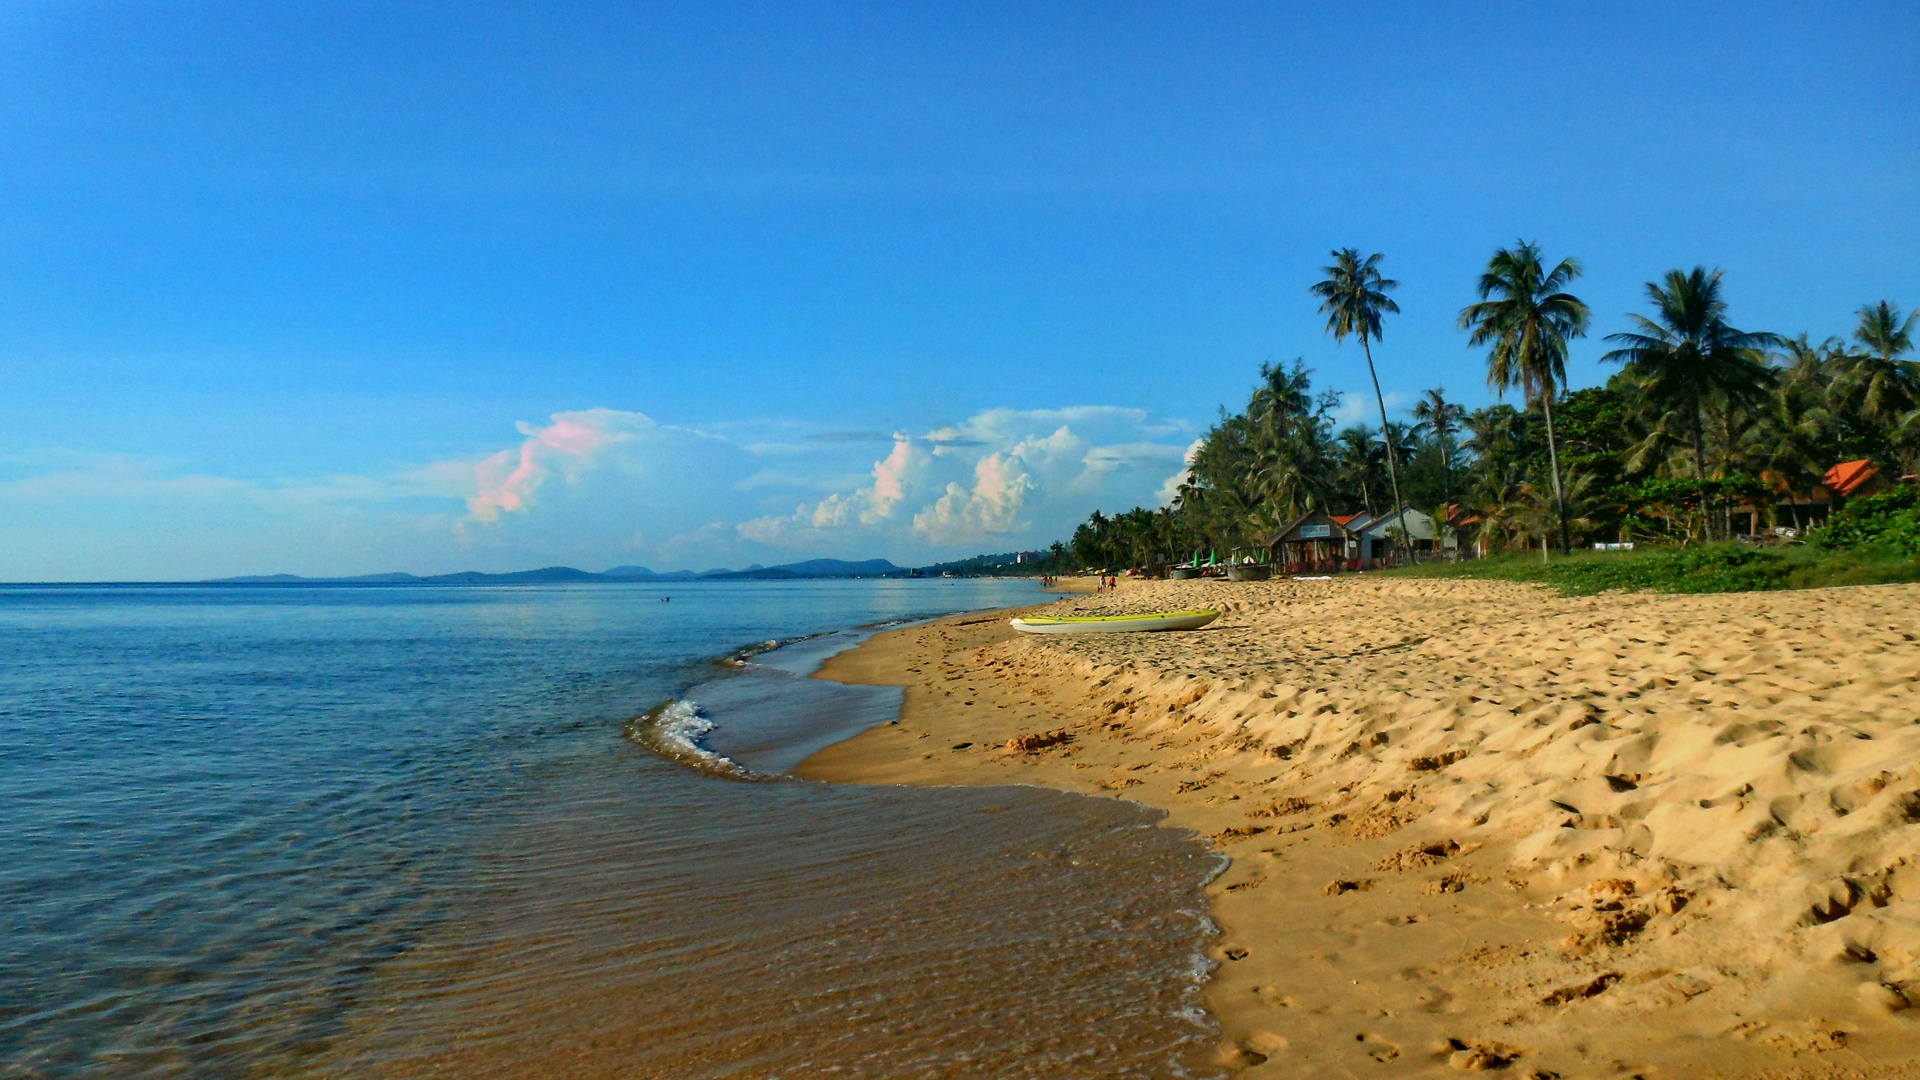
column 1477, row 825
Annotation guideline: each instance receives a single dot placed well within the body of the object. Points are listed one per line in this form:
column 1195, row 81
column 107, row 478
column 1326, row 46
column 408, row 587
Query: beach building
column 1844, row 481
column 1313, row 542
column 1850, row 478
column 1377, row 536
column 1317, row 541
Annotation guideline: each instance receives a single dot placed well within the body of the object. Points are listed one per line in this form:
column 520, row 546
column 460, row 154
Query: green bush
column 1889, row 521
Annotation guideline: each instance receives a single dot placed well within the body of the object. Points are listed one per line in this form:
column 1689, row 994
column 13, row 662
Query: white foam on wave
column 677, row 730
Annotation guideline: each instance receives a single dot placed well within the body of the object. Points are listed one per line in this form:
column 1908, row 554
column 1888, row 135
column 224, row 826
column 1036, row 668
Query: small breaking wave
column 676, row 730
column 744, row 655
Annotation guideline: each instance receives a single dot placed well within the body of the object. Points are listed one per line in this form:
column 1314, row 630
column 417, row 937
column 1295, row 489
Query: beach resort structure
column 1844, row 481
column 1313, row 541
column 1318, row 541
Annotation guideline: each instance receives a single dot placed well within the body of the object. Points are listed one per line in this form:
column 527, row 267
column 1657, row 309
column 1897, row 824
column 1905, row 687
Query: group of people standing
column 1048, row 581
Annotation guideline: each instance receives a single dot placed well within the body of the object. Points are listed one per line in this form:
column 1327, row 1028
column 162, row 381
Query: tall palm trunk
column 1386, row 432
column 1700, row 470
column 1553, row 463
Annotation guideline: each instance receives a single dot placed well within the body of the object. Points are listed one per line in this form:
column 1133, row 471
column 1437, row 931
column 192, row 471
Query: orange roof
column 1846, row 477
column 1342, row 519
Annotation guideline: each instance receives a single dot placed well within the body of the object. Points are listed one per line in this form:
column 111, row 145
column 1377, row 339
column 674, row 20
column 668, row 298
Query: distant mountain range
column 812, row 568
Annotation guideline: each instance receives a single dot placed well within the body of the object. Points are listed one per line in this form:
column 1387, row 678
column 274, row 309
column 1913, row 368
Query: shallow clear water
column 401, row 831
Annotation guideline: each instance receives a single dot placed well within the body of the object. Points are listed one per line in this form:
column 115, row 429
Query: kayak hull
column 1115, row 624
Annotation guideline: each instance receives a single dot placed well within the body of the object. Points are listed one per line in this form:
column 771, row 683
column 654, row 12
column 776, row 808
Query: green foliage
column 1702, row 426
column 1712, row 568
column 1888, row 522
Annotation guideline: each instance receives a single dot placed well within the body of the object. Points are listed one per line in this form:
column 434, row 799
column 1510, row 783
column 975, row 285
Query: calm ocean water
column 336, row 831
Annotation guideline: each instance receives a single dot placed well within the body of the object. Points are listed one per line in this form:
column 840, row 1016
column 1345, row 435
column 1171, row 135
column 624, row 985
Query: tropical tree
column 1527, row 315
column 1287, row 433
column 1883, row 385
column 1283, row 399
column 1687, row 354
column 1361, row 461
column 1353, row 297
column 1441, row 419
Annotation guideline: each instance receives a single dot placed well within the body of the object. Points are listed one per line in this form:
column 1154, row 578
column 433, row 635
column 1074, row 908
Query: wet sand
column 1479, row 826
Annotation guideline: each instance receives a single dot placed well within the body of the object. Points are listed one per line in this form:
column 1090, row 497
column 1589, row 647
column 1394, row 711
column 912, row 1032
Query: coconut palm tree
column 1540, row 513
column 1527, row 315
column 1284, row 398
column 1441, row 419
column 1687, row 354
column 1884, row 385
column 1353, row 296
column 1361, row 459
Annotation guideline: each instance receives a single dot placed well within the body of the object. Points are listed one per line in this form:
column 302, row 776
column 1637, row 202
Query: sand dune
column 1477, row 825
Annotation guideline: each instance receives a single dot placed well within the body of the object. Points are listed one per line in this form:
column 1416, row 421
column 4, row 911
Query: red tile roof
column 1846, row 477
column 1342, row 519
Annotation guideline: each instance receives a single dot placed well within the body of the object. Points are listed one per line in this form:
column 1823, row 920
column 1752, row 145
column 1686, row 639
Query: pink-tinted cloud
column 991, row 508
column 889, row 480
column 506, row 481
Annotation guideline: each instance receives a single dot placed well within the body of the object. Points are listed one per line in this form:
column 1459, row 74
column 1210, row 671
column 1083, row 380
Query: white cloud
column 1003, row 477
column 1357, row 407
column 1170, row 489
column 507, row 482
column 598, row 487
column 991, row 508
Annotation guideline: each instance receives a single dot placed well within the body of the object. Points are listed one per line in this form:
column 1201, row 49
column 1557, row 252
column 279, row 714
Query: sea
column 545, row 831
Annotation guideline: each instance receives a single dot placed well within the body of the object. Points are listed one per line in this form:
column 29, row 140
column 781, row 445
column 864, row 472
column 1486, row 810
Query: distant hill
column 641, row 573
column 542, row 576
column 837, row 568
column 465, row 577
column 812, row 568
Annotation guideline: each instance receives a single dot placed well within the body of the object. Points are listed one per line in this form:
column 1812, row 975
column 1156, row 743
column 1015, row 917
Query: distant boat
column 1114, row 624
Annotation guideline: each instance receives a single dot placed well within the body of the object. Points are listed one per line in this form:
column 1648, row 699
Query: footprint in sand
column 1377, row 1047
column 1272, row 997
column 1480, row 1056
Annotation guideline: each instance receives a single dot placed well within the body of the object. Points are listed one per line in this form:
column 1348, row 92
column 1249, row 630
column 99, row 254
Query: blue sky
column 345, row 288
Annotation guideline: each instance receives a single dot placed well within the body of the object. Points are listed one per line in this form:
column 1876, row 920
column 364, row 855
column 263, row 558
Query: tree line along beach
column 1707, row 433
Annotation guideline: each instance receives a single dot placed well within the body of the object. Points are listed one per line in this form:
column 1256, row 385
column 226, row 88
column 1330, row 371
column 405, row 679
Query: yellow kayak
column 1114, row 624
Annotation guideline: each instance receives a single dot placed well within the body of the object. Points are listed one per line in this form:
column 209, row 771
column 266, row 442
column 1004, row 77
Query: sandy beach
column 1478, row 825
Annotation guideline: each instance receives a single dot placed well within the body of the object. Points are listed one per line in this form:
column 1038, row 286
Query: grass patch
column 1711, row 568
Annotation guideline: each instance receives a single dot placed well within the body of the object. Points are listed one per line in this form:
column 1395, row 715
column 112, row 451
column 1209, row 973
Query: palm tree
column 1353, row 297
column 1285, row 440
column 1536, row 512
column 1283, row 398
column 1361, row 458
column 1884, row 383
column 1528, row 317
column 1690, row 354
column 1442, row 419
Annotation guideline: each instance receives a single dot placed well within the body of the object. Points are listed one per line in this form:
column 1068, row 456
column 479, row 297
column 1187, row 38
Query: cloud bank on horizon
column 602, row 486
